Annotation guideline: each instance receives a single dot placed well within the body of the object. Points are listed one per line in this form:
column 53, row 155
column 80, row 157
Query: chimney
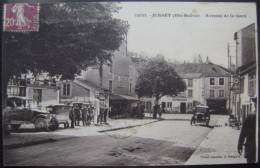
column 207, row 60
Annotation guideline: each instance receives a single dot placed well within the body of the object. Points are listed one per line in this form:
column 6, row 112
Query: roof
column 93, row 85
column 122, row 97
column 204, row 69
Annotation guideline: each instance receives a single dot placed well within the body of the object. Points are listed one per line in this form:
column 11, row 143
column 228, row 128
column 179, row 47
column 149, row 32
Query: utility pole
column 229, row 77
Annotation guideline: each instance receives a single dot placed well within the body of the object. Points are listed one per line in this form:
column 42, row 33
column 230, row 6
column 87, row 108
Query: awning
column 122, row 97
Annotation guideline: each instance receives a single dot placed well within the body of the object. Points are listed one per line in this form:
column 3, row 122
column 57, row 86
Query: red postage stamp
column 21, row 17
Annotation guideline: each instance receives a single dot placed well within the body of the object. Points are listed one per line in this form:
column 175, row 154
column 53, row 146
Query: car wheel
column 41, row 124
column 15, row 126
column 54, row 124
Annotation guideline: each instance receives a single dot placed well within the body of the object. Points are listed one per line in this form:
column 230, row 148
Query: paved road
column 167, row 142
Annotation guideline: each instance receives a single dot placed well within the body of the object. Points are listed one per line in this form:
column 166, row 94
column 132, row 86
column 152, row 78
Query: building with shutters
column 246, row 87
column 206, row 83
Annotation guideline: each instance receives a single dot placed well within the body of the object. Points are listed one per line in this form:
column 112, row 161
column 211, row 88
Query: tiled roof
column 207, row 70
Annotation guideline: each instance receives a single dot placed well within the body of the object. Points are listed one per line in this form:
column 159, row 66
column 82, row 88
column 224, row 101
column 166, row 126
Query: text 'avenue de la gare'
column 177, row 15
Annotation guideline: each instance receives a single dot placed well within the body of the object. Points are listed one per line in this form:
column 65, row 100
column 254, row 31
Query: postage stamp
column 21, row 17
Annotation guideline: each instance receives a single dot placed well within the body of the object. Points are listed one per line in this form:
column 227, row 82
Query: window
column 130, row 88
column 169, row 104
column 212, row 81
column 251, row 83
column 190, row 82
column 148, row 105
column 37, row 95
column 189, row 93
column 242, row 80
column 66, row 89
column 110, row 86
column 211, row 93
column 221, row 93
column 221, row 81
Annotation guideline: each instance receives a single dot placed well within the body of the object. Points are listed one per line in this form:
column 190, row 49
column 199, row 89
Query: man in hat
column 72, row 116
column 248, row 134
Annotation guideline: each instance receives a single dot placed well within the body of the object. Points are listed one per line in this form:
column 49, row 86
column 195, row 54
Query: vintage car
column 201, row 114
column 18, row 113
column 60, row 112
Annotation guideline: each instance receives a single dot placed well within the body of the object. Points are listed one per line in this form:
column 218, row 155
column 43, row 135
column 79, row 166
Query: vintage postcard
column 129, row 83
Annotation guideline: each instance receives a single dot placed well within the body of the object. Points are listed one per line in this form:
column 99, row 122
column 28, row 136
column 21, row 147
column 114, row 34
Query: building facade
column 84, row 91
column 245, row 81
column 41, row 90
column 206, row 84
column 118, row 77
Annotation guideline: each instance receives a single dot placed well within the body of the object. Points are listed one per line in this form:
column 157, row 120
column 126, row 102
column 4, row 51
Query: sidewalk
column 29, row 136
column 220, row 147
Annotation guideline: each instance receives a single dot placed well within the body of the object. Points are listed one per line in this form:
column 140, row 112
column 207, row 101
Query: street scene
column 126, row 142
column 129, row 84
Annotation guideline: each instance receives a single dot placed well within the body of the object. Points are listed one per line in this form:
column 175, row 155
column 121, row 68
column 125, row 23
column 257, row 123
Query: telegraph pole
column 229, row 77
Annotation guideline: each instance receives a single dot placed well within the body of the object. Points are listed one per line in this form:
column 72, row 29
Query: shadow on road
column 33, row 130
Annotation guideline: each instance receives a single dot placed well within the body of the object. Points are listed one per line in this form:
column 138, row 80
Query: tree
column 157, row 78
column 71, row 37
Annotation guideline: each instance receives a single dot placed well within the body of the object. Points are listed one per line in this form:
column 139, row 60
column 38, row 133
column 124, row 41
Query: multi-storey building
column 39, row 90
column 245, row 84
column 117, row 76
column 206, row 84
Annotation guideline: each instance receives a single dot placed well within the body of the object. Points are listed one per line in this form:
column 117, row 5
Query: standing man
column 248, row 133
column 84, row 114
column 77, row 113
column 72, row 116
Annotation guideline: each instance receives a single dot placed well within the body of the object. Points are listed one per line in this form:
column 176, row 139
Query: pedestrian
column 77, row 114
column 72, row 117
column 84, row 114
column 160, row 112
column 248, row 134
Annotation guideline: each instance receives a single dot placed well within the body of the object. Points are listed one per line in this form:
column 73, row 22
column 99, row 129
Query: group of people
column 84, row 113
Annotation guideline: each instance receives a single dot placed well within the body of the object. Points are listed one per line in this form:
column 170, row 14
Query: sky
column 182, row 38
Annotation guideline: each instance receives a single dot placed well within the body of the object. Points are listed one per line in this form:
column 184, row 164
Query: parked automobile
column 18, row 112
column 201, row 114
column 59, row 112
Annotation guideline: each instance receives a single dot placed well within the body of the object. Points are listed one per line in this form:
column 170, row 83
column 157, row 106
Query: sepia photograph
column 130, row 83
